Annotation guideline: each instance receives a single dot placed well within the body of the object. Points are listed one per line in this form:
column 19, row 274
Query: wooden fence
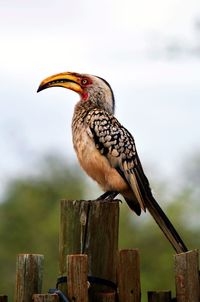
column 91, row 267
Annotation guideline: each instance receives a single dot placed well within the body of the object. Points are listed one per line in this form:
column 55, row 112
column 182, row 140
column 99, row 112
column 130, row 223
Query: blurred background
column 149, row 51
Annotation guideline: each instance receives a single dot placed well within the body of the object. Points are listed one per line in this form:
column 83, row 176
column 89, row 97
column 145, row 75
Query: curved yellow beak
column 69, row 80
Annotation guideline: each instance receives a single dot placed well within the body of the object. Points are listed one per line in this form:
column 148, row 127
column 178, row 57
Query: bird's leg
column 109, row 195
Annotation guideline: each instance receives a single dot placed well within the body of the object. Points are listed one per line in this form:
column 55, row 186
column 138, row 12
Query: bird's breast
column 94, row 163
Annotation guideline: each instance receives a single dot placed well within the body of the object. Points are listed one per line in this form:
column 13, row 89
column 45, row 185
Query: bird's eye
column 84, row 81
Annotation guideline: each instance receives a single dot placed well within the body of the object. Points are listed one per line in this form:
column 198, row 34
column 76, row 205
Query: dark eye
column 84, row 81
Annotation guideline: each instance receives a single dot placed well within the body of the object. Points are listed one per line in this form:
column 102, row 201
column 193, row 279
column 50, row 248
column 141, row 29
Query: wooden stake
column 90, row 227
column 45, row 298
column 3, row 298
column 159, row 296
column 29, row 271
column 77, row 285
column 187, row 276
column 105, row 297
column 128, row 276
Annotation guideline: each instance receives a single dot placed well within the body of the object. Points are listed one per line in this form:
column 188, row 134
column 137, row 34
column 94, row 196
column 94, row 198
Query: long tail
column 165, row 225
column 142, row 192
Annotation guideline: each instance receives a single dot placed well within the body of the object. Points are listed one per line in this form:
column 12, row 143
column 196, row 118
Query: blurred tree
column 29, row 217
column 29, row 222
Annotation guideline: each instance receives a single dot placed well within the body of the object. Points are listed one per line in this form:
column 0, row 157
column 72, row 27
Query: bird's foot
column 109, row 195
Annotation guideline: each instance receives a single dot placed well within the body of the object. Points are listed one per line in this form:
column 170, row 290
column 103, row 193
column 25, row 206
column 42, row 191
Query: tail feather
column 165, row 225
column 153, row 207
column 134, row 205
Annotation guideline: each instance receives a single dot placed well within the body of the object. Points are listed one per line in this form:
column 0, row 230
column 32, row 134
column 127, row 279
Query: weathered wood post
column 187, row 276
column 128, row 276
column 159, row 296
column 77, row 284
column 29, row 272
column 105, row 297
column 45, row 298
column 90, row 227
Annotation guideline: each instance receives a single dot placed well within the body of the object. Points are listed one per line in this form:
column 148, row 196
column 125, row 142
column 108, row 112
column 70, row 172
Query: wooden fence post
column 105, row 297
column 128, row 276
column 77, row 284
column 159, row 296
column 3, row 298
column 29, row 271
column 45, row 298
column 90, row 227
column 187, row 276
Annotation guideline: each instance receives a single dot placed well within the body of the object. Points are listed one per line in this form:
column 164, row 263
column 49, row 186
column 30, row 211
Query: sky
column 148, row 52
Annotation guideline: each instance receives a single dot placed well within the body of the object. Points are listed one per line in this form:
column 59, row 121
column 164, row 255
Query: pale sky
column 125, row 42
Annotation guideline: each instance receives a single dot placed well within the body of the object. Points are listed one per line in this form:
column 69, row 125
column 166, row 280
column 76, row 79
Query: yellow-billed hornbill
column 106, row 150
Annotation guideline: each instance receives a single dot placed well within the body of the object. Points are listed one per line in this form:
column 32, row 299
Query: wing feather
column 135, row 186
column 117, row 144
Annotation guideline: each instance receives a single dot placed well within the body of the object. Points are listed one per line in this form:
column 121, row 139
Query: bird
column 106, row 150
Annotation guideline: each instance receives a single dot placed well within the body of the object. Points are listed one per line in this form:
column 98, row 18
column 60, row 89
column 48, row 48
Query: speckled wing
column 117, row 144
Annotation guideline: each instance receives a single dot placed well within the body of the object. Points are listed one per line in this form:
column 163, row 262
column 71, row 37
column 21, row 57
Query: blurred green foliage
column 29, row 218
column 29, row 223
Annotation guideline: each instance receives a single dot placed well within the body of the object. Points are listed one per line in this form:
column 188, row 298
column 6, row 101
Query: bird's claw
column 109, row 195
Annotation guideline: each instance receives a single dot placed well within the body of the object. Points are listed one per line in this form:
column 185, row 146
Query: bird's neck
column 81, row 111
column 84, row 106
column 96, row 101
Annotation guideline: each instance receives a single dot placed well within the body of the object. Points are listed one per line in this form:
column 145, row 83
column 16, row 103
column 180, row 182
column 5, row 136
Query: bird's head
column 89, row 87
